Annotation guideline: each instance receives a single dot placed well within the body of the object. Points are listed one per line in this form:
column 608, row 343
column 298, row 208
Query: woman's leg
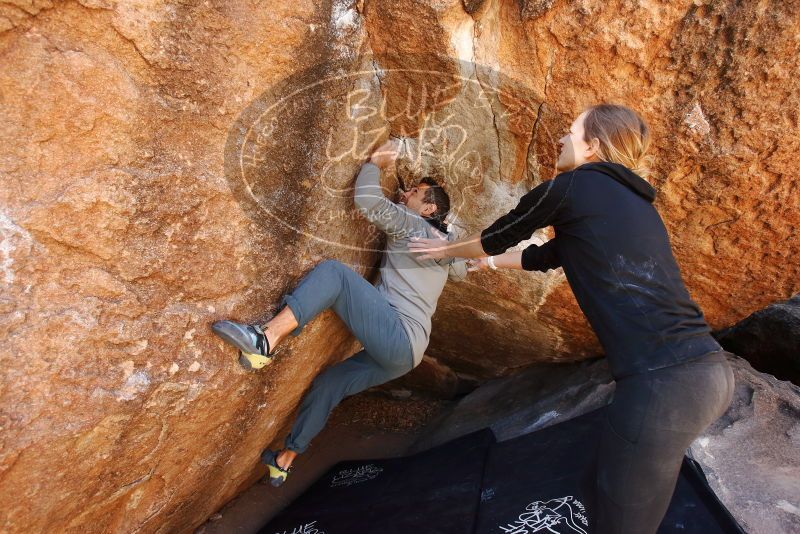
column 652, row 420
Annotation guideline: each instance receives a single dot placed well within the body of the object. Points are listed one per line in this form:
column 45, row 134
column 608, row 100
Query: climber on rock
column 391, row 320
column 672, row 378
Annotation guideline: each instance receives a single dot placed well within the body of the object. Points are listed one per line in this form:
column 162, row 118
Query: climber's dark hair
column 435, row 194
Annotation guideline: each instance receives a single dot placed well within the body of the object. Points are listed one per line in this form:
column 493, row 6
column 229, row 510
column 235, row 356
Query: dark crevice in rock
column 471, row 6
column 489, row 94
column 769, row 339
column 530, row 155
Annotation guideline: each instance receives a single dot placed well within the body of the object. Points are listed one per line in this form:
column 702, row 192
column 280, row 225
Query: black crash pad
column 436, row 491
column 544, row 482
column 540, row 482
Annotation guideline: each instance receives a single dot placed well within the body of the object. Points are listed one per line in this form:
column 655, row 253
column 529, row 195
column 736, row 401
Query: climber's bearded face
column 575, row 151
column 414, row 199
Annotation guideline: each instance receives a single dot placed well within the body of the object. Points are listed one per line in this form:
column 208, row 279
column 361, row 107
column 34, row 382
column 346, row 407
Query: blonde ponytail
column 623, row 135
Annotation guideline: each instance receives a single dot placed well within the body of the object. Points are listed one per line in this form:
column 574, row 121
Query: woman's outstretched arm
column 507, row 260
column 534, row 258
column 542, row 206
column 438, row 248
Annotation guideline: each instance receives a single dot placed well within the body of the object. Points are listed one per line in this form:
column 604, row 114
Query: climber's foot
column 254, row 349
column 277, row 475
column 285, row 458
column 253, row 362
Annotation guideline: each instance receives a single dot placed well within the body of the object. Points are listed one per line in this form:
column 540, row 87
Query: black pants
column 652, row 420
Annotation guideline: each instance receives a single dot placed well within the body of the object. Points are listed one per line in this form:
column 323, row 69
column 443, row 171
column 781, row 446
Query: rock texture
column 540, row 396
column 121, row 242
column 749, row 455
column 769, row 339
column 168, row 164
column 431, row 379
column 709, row 77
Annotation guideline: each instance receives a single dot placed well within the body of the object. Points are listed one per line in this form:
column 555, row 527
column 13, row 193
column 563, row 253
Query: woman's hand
column 478, row 264
column 430, row 249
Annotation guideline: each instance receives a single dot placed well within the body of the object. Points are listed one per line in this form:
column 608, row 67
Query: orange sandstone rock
column 168, row 165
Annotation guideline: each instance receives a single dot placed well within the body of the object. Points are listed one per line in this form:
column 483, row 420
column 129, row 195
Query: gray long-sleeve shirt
column 412, row 286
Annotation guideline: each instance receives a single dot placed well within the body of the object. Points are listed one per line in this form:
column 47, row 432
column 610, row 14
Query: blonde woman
column 672, row 377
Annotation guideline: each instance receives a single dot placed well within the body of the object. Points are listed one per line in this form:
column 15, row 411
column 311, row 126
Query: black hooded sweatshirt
column 616, row 256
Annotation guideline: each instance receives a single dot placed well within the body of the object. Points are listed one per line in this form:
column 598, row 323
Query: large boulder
column 169, row 164
column 122, row 241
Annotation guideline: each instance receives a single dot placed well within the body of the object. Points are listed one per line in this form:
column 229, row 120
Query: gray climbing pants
column 387, row 350
column 652, row 420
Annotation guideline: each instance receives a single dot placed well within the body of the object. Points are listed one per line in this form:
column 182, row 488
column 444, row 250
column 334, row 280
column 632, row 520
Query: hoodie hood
column 625, row 176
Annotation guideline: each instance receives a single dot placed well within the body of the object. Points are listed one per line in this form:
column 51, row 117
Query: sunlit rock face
column 166, row 165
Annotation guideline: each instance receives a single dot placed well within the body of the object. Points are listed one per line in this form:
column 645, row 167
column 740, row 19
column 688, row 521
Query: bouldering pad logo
column 305, row 528
column 348, row 477
column 292, row 155
column 564, row 515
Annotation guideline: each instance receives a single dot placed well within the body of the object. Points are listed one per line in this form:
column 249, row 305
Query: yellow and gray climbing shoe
column 254, row 350
column 277, row 475
column 254, row 361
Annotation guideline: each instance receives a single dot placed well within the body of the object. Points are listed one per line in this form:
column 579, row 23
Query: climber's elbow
column 365, row 203
column 368, row 193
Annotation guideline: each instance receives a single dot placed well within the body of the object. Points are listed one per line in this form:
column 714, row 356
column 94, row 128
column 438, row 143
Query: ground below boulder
column 749, row 455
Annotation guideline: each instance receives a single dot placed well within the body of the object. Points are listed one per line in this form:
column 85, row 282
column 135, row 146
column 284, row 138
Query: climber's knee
column 330, row 265
column 321, row 383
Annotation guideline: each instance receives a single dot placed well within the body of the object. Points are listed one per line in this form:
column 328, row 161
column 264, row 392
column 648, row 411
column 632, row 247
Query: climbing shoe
column 254, row 350
column 277, row 476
